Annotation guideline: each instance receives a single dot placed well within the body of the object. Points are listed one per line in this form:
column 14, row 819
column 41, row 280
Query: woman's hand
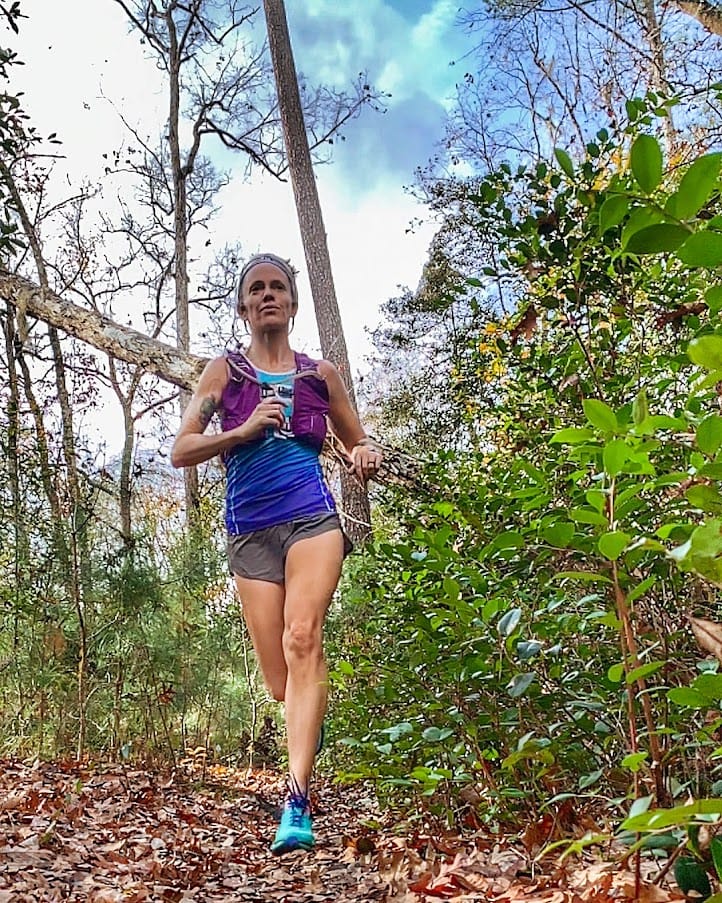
column 266, row 415
column 366, row 458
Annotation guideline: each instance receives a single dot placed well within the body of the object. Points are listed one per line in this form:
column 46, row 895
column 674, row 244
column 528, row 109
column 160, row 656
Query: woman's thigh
column 313, row 568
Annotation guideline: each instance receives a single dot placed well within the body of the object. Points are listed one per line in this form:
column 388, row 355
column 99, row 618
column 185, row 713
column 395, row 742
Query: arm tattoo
column 208, row 409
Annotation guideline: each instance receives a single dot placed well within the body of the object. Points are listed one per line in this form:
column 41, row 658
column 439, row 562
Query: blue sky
column 407, row 49
column 77, row 81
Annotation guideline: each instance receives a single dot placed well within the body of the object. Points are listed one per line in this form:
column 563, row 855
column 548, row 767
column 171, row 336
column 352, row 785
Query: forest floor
column 102, row 834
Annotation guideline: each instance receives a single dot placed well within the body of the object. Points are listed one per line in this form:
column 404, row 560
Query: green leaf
column 691, row 876
column 599, row 414
column 588, row 779
column 702, row 553
column 508, row 622
column 587, row 516
column 710, row 685
column 565, row 161
column 572, row 436
column 633, row 762
column 709, row 434
column 528, row 649
column 703, row 249
column 509, row 539
column 615, row 455
column 612, row 212
column 688, row 696
column 584, row 576
column 706, row 351
column 716, row 850
column 655, row 422
column 643, row 671
column 657, row 238
column 696, row 187
column 436, row 735
column 639, row 219
column 611, row 545
column 665, row 818
column 559, row 535
column 615, row 673
column 713, row 297
column 706, row 498
column 640, row 408
column 641, row 588
column 520, row 683
column 646, row 162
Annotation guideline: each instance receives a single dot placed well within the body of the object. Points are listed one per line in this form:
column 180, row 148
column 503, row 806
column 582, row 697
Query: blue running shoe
column 295, row 831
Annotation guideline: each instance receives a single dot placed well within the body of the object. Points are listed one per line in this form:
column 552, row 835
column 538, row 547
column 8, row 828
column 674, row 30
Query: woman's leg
column 262, row 603
column 313, row 568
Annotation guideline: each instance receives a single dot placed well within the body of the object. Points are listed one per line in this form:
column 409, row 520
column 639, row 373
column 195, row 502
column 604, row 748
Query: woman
column 285, row 543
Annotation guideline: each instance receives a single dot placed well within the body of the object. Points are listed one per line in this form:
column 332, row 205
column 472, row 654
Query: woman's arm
column 365, row 454
column 191, row 446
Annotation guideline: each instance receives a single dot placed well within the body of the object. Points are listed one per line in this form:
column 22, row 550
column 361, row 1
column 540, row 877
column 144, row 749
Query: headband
column 283, row 265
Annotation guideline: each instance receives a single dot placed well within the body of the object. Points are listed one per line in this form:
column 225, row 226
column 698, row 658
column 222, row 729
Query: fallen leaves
column 109, row 834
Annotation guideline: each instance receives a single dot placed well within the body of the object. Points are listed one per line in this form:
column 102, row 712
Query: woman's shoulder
column 326, row 369
column 215, row 374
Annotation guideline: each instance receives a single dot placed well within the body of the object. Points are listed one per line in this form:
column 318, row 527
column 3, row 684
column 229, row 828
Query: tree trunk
column 174, row 366
column 180, row 232
column 653, row 34
column 357, row 517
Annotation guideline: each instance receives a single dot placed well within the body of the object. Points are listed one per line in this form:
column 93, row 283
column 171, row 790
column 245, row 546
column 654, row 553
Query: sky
column 83, row 68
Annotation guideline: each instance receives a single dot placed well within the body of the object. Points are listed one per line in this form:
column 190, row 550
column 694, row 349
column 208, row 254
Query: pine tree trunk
column 355, row 503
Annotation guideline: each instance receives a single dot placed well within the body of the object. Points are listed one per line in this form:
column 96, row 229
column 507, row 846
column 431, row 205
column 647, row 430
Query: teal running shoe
column 295, row 831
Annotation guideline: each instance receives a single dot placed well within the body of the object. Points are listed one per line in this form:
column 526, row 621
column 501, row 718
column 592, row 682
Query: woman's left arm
column 365, row 454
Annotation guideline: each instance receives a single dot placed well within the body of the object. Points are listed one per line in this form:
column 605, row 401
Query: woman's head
column 283, row 265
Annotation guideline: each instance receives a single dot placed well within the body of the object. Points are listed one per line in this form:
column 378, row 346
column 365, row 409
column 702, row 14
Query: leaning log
column 179, row 368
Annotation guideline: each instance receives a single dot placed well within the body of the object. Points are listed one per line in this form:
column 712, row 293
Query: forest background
column 526, row 625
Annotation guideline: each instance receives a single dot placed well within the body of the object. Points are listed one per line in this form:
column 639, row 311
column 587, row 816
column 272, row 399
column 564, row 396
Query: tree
column 357, row 513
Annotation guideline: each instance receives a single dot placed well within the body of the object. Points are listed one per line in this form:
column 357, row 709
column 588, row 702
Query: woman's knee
column 302, row 639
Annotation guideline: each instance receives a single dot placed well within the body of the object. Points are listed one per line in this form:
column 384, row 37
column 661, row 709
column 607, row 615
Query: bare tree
column 548, row 74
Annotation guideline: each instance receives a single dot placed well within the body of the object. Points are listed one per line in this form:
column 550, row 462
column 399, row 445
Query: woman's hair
column 283, row 265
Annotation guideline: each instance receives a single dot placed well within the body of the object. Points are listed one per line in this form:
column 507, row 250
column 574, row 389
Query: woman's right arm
column 191, row 446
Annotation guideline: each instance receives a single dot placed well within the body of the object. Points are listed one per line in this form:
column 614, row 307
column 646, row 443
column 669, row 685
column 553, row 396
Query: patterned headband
column 283, row 265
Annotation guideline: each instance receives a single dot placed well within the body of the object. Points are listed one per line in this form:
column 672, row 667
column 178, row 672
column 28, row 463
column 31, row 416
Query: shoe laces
column 298, row 803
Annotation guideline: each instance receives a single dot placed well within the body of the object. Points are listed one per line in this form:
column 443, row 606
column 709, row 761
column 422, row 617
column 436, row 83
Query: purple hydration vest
column 310, row 397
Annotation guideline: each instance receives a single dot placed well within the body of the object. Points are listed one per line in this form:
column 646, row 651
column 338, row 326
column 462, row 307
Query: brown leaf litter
column 120, row 834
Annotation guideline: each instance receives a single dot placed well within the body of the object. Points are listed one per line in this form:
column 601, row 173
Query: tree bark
column 660, row 82
column 709, row 15
column 355, row 503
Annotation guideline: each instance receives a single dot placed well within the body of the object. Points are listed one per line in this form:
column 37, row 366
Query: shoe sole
column 290, row 847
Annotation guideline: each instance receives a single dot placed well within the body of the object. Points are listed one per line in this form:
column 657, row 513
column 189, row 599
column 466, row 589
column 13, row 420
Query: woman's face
column 266, row 299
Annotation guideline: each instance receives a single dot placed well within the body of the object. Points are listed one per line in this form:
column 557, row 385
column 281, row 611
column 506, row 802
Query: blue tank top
column 274, row 479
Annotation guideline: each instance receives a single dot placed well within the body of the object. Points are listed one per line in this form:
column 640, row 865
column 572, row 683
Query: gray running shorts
column 261, row 555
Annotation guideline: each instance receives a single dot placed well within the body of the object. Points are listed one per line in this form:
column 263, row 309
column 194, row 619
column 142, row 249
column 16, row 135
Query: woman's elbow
column 176, row 456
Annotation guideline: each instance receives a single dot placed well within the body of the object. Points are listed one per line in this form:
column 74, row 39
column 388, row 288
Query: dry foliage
column 106, row 834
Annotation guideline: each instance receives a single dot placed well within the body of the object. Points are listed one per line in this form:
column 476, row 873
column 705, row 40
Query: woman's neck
column 272, row 356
